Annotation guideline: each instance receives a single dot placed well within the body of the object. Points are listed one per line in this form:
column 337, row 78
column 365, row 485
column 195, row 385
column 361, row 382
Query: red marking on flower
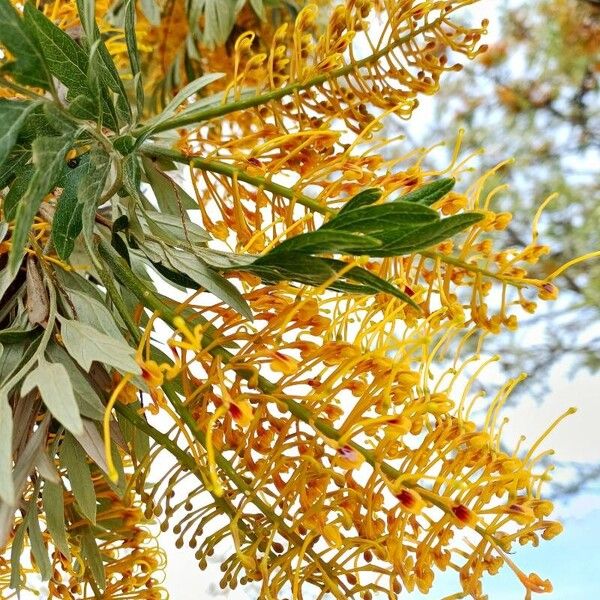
column 235, row 411
column 463, row 514
column 407, row 499
column 409, row 291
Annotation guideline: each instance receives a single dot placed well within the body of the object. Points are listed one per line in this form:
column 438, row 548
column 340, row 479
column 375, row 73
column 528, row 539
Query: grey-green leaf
column 182, row 261
column 73, row 458
column 89, row 190
column 92, row 557
column 171, row 198
column 13, row 114
column 38, row 548
column 89, row 403
column 29, row 67
column 54, row 385
column 132, row 51
column 65, row 59
column 7, row 486
column 92, row 312
column 86, row 344
column 49, row 159
column 54, row 508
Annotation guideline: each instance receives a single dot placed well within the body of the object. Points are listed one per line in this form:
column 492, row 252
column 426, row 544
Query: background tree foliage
column 535, row 96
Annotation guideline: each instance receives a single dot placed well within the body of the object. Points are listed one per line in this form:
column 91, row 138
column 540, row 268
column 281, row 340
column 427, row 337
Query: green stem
column 457, row 262
column 215, row 166
column 288, row 90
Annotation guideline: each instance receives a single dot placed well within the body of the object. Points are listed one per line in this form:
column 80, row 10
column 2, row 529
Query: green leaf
column 29, row 67
column 190, row 89
column 430, row 193
column 110, row 77
column 7, row 486
column 219, row 19
column 92, row 557
column 68, row 62
column 93, row 444
column 49, row 160
column 177, row 229
column 94, row 313
column 426, row 236
column 330, row 241
column 90, row 188
column 376, row 220
column 54, row 509
column 86, row 344
column 376, row 284
column 13, row 114
column 67, row 224
column 87, row 16
column 364, row 198
column 54, row 385
column 65, row 59
column 16, row 552
column 151, row 10
column 87, row 398
column 196, row 270
column 38, row 548
column 17, row 190
column 73, row 458
column 171, row 198
column 14, row 163
column 259, row 9
column 224, row 260
column 315, row 271
column 134, row 58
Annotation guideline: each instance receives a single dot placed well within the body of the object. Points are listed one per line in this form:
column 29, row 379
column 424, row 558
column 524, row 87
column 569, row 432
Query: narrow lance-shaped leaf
column 66, row 225
column 73, row 459
column 92, row 557
column 18, row 187
column 430, row 193
column 65, row 59
column 170, row 197
column 134, row 58
column 28, row 67
column 94, row 313
column 364, row 198
column 194, row 270
column 87, row 398
column 101, row 61
column 329, row 241
column 7, row 487
column 426, row 236
column 55, row 388
column 49, row 159
column 36, row 541
column 372, row 220
column 54, row 509
column 86, row 344
column 13, row 114
column 68, row 62
column 90, row 188
column 16, row 552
